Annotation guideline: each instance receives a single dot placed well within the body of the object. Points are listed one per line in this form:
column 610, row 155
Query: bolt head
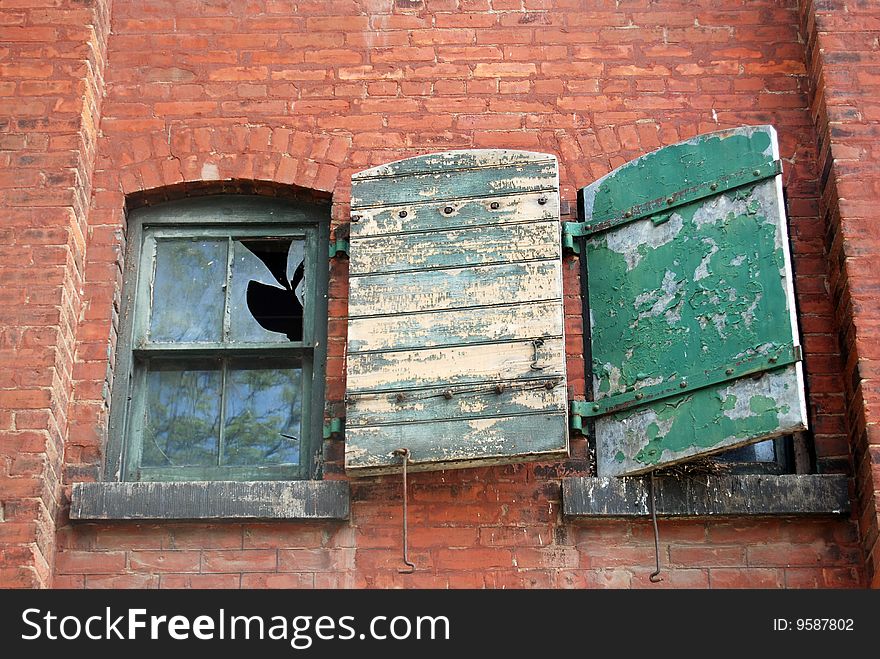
column 447, row 394
column 494, row 205
column 448, row 210
column 683, row 384
column 402, row 214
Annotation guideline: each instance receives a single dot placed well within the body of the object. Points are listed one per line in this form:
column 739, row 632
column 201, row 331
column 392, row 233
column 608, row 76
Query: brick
column 246, row 560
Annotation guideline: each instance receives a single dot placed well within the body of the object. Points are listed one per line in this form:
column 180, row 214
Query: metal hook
column 404, row 453
column 655, row 575
column 537, row 343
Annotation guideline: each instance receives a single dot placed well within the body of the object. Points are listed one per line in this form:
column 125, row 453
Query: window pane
column 182, row 415
column 266, row 301
column 188, row 291
column 761, row 452
column 263, row 415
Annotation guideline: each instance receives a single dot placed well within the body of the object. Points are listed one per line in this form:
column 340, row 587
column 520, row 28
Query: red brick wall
column 51, row 66
column 844, row 60
column 223, row 90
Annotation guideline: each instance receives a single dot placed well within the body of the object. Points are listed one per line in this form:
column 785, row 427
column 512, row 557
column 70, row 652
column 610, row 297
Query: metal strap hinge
column 334, row 428
column 771, row 360
column 661, row 206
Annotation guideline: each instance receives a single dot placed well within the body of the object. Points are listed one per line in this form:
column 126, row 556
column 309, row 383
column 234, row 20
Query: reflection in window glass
column 267, row 290
column 187, row 293
column 182, row 425
column 263, row 416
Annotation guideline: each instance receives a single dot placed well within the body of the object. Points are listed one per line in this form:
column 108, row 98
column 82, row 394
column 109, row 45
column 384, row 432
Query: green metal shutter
column 693, row 332
column 455, row 333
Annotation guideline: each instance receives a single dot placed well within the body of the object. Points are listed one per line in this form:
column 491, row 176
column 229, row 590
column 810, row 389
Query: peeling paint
column 692, row 294
column 455, row 346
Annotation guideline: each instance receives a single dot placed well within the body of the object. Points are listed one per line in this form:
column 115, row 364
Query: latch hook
column 410, row 566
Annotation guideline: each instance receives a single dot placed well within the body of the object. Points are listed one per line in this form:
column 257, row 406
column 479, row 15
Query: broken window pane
column 182, row 424
column 266, row 299
column 263, row 413
column 187, row 293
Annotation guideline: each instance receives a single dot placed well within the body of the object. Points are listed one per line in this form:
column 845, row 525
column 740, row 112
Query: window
column 220, row 365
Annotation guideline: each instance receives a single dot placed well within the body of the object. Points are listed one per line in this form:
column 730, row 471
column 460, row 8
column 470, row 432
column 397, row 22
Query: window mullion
column 222, row 430
column 227, row 286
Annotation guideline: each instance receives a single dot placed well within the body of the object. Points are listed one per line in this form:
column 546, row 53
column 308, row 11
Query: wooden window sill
column 216, row 500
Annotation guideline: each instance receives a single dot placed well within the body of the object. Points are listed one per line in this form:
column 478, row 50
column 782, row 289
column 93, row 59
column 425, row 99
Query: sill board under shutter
column 712, row 496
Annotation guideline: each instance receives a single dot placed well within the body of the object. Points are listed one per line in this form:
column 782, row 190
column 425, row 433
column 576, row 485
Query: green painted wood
column 455, row 327
column 446, row 186
column 455, row 272
column 515, row 397
column 448, row 161
column 430, row 216
column 661, row 174
column 431, row 367
column 457, row 247
column 456, row 443
column 700, row 292
column 456, row 288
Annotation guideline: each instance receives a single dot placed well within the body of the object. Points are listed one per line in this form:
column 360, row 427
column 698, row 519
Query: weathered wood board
column 455, row 339
column 693, row 330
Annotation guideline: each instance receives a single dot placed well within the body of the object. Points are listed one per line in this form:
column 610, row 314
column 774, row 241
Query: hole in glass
column 273, row 292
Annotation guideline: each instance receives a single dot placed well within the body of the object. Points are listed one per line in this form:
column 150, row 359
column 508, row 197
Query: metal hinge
column 339, row 243
column 659, row 209
column 757, row 365
column 334, row 428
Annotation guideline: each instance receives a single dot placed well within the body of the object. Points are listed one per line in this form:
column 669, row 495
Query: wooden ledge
column 698, row 496
column 210, row 500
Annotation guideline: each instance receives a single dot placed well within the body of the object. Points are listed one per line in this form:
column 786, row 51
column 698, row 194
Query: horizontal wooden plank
column 467, row 402
column 458, row 443
column 456, row 327
column 641, row 439
column 456, row 248
column 452, row 185
column 452, row 160
column 466, row 213
column 435, row 366
column 751, row 494
column 211, row 500
column 456, row 288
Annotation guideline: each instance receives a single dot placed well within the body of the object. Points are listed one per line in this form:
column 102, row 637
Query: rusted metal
column 655, row 575
column 403, row 453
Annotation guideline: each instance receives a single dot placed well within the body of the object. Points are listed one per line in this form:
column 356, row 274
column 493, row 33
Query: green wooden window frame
column 218, row 219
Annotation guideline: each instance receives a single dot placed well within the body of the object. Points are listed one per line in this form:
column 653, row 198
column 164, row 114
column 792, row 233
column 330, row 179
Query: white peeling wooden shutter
column 693, row 331
column 455, row 334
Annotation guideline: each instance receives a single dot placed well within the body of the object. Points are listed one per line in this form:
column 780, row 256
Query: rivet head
column 628, row 214
column 447, row 394
column 402, row 214
column 640, row 396
column 549, row 385
column 400, row 398
column 729, row 371
column 670, row 200
column 494, row 205
column 542, row 200
column 499, row 388
column 714, row 186
column 448, row 210
column 757, row 172
column 596, row 408
column 772, row 360
column 683, row 384
column 355, row 218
